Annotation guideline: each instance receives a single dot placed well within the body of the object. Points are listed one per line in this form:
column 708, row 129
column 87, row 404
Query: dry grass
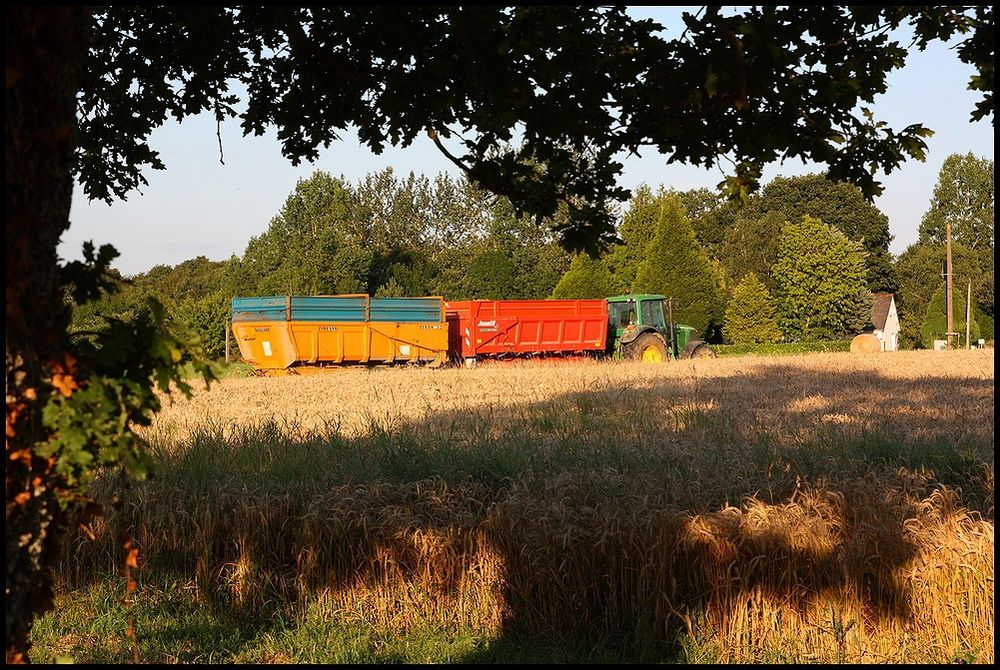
column 352, row 398
column 829, row 507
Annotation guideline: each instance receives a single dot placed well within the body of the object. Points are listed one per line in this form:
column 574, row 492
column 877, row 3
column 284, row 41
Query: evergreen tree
column 675, row 265
column 390, row 289
column 711, row 215
column 820, row 282
column 586, row 278
column 751, row 316
column 636, row 232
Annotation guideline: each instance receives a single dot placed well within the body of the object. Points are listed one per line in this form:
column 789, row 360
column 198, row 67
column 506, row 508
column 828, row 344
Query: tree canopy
column 963, row 196
column 586, row 278
column 502, row 92
column 753, row 236
column 820, row 282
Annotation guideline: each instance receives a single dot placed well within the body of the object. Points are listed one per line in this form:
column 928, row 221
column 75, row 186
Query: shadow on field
column 623, row 512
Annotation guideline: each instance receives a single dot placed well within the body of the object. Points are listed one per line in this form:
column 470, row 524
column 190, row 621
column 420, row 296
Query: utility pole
column 948, row 291
column 968, row 317
column 228, row 328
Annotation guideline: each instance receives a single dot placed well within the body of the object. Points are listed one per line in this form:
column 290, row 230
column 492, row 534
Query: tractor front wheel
column 648, row 348
column 698, row 349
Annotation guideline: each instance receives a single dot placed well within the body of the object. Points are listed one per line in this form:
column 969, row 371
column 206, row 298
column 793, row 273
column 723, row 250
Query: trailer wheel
column 648, row 348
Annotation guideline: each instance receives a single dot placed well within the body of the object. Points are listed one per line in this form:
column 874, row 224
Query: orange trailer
column 278, row 332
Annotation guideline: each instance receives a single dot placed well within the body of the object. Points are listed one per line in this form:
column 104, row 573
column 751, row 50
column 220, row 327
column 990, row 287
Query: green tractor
column 639, row 332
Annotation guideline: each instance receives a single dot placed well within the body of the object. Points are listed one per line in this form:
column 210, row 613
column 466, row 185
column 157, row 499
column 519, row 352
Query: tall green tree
column 821, row 282
column 491, row 275
column 87, row 86
column 586, row 278
column 292, row 257
column 676, row 266
column 636, row 231
column 390, row 212
column 751, row 315
column 963, row 196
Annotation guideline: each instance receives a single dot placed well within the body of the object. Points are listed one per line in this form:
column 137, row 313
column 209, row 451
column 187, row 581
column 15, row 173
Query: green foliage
column 935, row 324
column 87, row 627
column 985, row 322
column 86, row 280
column 293, row 256
column 206, row 319
column 676, row 266
column 752, row 240
column 586, row 278
column 491, row 275
column 751, row 245
column 190, row 280
column 540, row 267
column 537, row 260
column 751, row 313
column 783, row 348
column 984, row 290
column 963, row 196
column 920, row 271
column 636, row 231
column 93, row 427
column 149, row 63
column 820, row 282
column 390, row 289
column 710, row 215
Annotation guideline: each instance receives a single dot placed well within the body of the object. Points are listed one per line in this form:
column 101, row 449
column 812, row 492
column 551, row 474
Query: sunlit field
column 813, row 508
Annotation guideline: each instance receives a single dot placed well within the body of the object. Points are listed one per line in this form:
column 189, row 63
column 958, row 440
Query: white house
column 885, row 320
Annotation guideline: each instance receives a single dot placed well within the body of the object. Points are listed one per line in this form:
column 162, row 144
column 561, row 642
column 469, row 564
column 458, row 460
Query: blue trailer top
column 338, row 308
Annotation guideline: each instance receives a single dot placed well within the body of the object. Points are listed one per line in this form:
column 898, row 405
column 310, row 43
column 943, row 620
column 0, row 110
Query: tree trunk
column 46, row 48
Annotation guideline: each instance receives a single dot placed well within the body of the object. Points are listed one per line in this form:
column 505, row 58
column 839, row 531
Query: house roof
column 880, row 309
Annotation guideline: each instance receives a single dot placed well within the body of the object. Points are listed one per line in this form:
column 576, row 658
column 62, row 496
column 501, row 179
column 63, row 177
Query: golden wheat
column 739, row 504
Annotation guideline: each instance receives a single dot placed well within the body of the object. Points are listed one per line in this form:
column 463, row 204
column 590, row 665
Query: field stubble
column 829, row 507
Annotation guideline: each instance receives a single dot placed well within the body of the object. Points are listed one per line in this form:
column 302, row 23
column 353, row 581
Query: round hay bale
column 866, row 343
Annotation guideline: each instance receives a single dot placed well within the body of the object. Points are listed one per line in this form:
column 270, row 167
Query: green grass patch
column 172, row 625
column 782, row 348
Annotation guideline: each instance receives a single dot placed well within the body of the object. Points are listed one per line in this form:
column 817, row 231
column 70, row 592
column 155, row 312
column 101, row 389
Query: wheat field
column 813, row 508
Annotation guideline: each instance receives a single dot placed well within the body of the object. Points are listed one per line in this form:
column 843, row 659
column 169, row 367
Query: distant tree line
column 798, row 261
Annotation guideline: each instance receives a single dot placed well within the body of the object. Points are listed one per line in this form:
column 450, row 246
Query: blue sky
column 199, row 207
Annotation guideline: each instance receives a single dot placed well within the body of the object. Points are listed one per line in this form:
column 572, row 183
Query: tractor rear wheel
column 648, row 348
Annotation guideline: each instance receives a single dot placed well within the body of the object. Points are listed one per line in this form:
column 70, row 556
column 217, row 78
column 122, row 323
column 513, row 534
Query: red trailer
column 492, row 328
